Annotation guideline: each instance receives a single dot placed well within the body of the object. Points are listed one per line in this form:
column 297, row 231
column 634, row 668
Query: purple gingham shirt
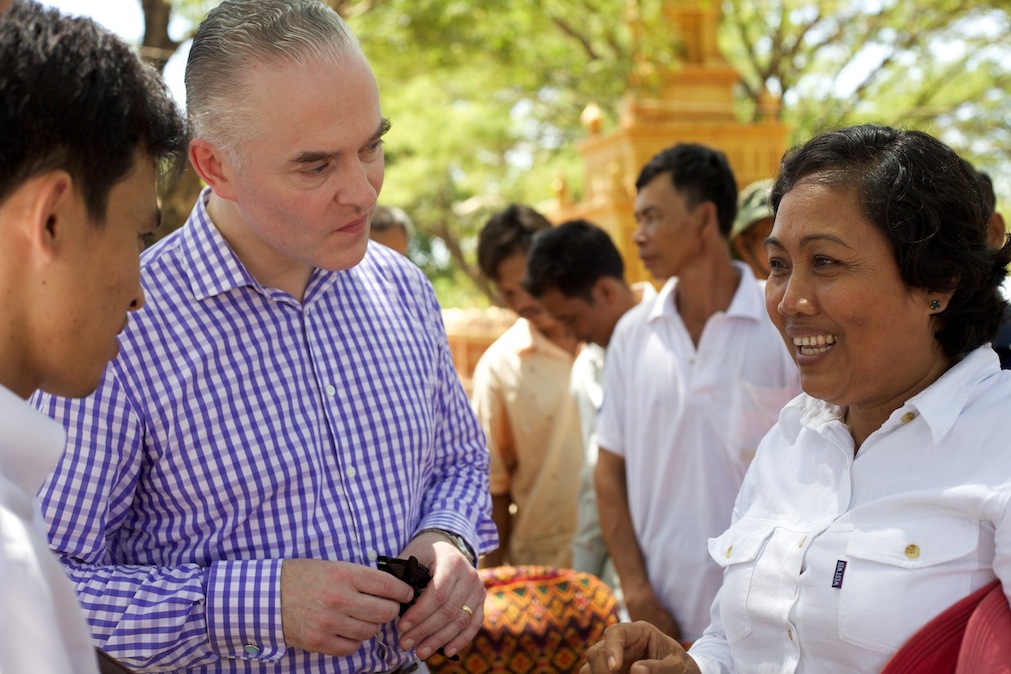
column 239, row 427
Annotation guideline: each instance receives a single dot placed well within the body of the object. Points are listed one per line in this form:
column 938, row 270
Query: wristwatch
column 458, row 541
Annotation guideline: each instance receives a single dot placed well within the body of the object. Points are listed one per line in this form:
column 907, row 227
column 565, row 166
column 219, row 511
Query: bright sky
column 124, row 17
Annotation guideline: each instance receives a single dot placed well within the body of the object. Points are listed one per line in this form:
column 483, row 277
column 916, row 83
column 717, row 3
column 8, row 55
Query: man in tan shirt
column 521, row 396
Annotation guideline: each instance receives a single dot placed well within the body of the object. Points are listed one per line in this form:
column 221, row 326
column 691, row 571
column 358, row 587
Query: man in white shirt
column 577, row 274
column 693, row 381
column 83, row 127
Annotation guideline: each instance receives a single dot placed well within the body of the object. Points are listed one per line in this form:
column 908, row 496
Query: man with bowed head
column 84, row 125
column 284, row 410
column 575, row 271
column 881, row 497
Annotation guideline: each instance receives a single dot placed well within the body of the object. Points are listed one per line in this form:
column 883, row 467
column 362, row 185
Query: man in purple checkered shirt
column 284, row 409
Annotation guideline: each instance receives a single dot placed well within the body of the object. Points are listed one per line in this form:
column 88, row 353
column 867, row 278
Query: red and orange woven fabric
column 537, row 619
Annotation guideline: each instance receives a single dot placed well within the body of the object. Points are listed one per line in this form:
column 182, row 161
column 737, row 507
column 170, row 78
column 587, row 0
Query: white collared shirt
column 687, row 421
column 42, row 628
column 833, row 561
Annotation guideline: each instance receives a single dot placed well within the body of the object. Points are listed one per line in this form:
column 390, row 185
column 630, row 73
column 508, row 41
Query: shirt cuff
column 244, row 609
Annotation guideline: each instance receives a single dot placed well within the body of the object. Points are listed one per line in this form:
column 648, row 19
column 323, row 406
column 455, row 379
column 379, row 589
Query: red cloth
column 971, row 636
column 987, row 643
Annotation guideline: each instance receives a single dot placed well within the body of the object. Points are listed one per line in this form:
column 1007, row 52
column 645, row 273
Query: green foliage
column 485, row 97
column 485, row 100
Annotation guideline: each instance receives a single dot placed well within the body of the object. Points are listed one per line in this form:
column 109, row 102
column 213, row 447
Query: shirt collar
column 30, row 442
column 214, row 267
column 940, row 404
column 531, row 340
column 746, row 303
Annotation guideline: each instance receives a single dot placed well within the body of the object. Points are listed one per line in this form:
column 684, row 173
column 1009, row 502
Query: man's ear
column 708, row 215
column 46, row 208
column 604, row 290
column 739, row 246
column 213, row 167
column 996, row 231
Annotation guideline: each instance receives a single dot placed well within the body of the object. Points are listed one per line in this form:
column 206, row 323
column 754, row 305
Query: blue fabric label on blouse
column 840, row 569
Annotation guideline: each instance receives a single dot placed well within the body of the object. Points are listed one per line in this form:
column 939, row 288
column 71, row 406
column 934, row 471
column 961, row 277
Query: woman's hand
column 637, row 648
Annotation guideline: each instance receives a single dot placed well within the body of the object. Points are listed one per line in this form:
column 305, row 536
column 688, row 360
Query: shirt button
column 351, row 472
column 913, row 551
column 371, row 554
column 908, row 416
column 250, row 649
column 331, row 390
column 729, row 550
column 789, row 633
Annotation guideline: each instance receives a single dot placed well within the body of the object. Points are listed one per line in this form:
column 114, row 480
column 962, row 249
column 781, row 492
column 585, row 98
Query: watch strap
column 456, row 539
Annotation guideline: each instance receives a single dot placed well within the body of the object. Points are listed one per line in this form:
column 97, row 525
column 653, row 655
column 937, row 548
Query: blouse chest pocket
column 902, row 575
column 738, row 551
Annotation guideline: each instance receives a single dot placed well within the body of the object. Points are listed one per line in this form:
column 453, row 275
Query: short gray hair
column 238, row 33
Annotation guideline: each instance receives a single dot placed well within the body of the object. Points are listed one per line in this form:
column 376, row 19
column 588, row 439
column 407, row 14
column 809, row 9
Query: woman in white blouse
column 882, row 496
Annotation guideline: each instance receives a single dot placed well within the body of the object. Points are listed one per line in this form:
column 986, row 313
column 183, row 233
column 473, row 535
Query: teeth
column 815, row 341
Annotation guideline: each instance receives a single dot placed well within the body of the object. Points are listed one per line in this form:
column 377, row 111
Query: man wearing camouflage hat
column 752, row 226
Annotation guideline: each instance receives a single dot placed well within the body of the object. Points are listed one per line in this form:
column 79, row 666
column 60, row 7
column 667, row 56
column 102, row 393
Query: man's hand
column 438, row 618
column 637, row 648
column 332, row 607
column 647, row 608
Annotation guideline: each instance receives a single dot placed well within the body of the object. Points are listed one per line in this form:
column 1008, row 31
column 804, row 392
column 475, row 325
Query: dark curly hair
column 930, row 205
column 77, row 98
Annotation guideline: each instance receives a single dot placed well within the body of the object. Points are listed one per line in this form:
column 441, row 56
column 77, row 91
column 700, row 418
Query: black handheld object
column 412, row 572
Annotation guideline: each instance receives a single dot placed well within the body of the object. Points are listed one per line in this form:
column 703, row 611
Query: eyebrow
column 772, row 241
column 314, row 156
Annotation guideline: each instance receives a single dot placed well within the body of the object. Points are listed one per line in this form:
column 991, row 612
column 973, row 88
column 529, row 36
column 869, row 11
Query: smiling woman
column 880, row 498
column 838, row 298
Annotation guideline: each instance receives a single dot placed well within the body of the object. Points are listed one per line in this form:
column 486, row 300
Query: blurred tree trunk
column 157, row 47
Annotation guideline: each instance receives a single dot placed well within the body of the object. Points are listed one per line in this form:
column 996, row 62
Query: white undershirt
column 42, row 628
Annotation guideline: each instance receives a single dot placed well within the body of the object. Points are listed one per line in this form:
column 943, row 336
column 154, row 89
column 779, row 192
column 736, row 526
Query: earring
column 935, row 304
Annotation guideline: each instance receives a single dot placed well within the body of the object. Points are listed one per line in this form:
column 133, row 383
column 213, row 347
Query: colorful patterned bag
column 537, row 619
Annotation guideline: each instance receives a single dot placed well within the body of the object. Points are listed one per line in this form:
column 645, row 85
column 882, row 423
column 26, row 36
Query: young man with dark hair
column 84, row 128
column 693, row 381
column 520, row 394
column 576, row 272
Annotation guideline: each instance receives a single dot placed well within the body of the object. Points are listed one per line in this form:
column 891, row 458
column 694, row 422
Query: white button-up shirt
column 834, row 560
column 687, row 421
